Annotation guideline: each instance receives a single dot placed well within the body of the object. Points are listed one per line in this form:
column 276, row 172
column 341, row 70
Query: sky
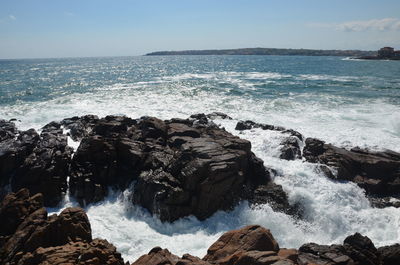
column 71, row 28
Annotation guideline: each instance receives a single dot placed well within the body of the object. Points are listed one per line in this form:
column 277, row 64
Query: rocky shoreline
column 29, row 236
column 179, row 167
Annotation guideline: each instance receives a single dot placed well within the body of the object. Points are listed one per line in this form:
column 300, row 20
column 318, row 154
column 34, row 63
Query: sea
column 339, row 100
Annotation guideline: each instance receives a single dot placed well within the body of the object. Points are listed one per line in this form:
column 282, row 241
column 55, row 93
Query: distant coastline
column 385, row 53
column 269, row 51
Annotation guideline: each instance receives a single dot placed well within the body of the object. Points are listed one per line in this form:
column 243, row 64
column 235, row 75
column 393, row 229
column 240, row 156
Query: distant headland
column 270, row 51
column 385, row 53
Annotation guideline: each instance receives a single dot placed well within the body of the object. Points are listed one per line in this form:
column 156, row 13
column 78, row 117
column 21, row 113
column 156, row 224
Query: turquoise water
column 344, row 102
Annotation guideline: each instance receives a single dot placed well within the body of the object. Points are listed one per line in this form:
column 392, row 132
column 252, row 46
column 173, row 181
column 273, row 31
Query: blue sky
column 55, row 28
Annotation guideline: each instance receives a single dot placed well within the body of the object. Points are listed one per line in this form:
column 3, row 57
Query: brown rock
column 97, row 252
column 290, row 254
column 246, row 239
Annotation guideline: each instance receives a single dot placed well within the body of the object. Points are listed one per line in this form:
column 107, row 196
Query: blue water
column 344, row 102
column 44, row 79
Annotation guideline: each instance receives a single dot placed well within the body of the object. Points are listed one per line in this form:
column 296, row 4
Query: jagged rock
column 181, row 166
column 97, row 252
column 247, row 125
column 39, row 163
column 159, row 256
column 35, row 238
column 390, row 255
column 356, row 250
column 14, row 209
column 274, row 195
column 290, row 149
column 8, row 130
column 236, row 243
column 377, row 172
column 79, row 127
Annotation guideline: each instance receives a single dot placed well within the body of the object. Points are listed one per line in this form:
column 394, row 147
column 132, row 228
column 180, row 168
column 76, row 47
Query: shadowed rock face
column 37, row 162
column 356, row 250
column 29, row 236
column 377, row 172
column 180, row 166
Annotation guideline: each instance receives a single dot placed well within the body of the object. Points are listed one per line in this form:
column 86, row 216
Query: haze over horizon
column 49, row 29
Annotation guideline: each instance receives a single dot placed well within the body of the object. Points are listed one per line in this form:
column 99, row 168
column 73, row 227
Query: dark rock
column 218, row 115
column 377, row 172
column 390, row 255
column 7, row 130
column 274, row 195
column 290, row 149
column 245, row 125
column 80, row 127
column 39, row 163
column 180, row 166
column 356, row 250
column 383, row 202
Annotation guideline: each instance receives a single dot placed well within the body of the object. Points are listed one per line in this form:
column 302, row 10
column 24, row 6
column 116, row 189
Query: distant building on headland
column 385, row 53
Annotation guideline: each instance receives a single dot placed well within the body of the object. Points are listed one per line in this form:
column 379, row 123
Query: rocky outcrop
column 37, row 162
column 357, row 250
column 180, row 166
column 29, row 236
column 377, row 172
column 290, row 146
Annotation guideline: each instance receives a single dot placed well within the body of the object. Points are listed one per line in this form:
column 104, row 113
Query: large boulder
column 233, row 244
column 377, row 172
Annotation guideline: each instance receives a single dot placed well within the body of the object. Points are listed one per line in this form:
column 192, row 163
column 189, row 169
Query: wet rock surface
column 180, row 166
column 29, row 236
column 37, row 162
column 290, row 146
column 377, row 172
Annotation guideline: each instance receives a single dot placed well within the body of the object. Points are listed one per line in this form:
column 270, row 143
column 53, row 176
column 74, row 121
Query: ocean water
column 344, row 102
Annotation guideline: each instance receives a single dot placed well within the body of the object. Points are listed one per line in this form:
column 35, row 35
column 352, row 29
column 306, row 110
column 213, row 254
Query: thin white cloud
column 8, row 18
column 69, row 14
column 384, row 24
